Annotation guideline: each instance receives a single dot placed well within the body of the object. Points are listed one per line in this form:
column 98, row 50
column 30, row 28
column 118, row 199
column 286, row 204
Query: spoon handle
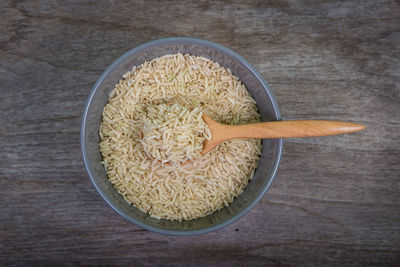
column 289, row 129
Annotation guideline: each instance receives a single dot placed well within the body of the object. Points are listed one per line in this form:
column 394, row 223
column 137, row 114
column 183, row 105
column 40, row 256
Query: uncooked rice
column 177, row 191
column 173, row 134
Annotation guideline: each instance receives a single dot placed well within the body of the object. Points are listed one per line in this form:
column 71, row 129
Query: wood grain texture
column 335, row 200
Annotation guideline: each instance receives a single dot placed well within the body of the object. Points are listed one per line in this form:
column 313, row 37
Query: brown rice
column 172, row 191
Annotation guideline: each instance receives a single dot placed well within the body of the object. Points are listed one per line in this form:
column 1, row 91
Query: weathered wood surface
column 335, row 200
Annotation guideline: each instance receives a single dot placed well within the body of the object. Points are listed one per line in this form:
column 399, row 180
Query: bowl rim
column 177, row 40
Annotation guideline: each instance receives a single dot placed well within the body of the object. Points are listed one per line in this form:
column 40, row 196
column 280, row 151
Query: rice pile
column 130, row 141
column 173, row 134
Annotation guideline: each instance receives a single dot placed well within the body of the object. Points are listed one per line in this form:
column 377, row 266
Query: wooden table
column 335, row 200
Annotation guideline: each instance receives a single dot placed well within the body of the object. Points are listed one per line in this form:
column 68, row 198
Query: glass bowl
column 267, row 106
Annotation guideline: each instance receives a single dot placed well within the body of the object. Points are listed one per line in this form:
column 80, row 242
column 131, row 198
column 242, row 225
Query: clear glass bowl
column 266, row 103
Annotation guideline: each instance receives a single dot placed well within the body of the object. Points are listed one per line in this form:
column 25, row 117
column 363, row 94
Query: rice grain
column 192, row 85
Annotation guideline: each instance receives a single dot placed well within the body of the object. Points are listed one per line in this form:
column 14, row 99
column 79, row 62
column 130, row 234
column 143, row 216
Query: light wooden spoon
column 275, row 129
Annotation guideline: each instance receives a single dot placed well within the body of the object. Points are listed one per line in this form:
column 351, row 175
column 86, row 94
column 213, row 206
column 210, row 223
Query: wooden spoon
column 275, row 129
